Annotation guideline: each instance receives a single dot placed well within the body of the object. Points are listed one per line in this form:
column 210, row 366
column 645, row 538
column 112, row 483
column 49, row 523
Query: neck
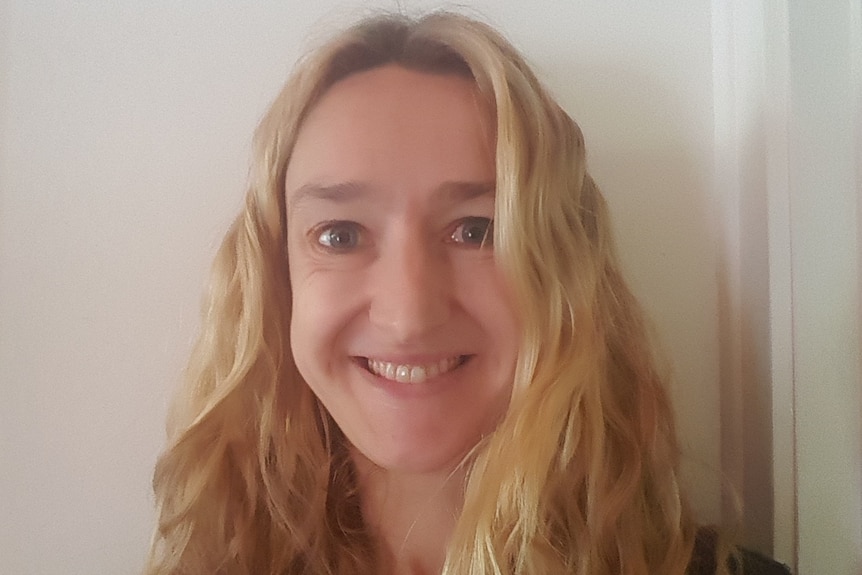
column 412, row 514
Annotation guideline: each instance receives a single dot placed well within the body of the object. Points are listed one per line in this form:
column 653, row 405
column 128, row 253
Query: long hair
column 581, row 475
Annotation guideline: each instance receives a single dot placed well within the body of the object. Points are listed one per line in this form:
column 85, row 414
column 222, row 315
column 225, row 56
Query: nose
column 410, row 288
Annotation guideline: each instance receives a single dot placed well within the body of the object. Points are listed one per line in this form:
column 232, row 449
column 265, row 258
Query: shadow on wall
column 651, row 149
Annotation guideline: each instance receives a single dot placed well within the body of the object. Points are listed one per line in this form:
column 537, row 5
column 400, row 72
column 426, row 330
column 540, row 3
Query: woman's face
column 402, row 323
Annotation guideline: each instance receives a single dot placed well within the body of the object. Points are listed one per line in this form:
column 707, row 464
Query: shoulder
column 753, row 563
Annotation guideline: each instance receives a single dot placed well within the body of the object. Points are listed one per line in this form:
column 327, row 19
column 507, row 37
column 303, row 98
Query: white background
column 724, row 134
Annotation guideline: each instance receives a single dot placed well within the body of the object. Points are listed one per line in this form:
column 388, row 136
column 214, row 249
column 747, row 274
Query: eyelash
column 326, row 234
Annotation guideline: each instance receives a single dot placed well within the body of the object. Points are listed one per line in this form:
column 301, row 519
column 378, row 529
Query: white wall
column 788, row 97
column 124, row 131
column 825, row 136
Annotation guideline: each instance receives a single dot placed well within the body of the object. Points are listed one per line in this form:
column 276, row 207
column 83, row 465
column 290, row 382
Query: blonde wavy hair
column 580, row 477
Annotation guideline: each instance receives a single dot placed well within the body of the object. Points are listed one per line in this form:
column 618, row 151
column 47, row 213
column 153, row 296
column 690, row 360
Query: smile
column 405, row 373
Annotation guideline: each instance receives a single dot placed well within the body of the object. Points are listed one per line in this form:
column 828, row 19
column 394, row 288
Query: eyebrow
column 339, row 193
column 462, row 191
column 344, row 192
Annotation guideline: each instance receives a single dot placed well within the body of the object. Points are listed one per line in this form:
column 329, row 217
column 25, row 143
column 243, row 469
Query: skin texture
column 390, row 190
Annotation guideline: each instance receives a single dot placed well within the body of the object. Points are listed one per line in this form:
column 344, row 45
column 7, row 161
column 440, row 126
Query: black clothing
column 753, row 563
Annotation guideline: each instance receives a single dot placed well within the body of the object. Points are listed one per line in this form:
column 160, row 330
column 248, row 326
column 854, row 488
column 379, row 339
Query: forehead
column 394, row 127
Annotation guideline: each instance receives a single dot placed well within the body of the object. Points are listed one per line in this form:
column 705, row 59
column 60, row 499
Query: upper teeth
column 404, row 373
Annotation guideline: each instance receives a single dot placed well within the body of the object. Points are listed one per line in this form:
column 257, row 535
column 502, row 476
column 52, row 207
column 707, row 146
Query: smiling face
column 402, row 324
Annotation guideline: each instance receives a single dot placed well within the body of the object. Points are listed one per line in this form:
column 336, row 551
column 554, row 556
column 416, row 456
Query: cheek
column 310, row 315
column 487, row 294
column 317, row 313
column 487, row 298
column 325, row 304
column 301, row 332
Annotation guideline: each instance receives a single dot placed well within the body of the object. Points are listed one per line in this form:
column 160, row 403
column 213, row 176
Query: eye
column 474, row 231
column 339, row 236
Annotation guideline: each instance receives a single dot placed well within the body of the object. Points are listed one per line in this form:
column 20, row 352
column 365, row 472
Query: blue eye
column 340, row 236
column 474, row 231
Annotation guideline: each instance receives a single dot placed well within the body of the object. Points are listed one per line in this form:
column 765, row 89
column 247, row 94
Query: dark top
column 753, row 563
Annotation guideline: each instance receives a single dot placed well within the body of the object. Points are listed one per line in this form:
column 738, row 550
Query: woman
column 418, row 353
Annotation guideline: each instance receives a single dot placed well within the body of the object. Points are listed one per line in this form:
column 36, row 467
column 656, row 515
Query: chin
column 427, row 458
